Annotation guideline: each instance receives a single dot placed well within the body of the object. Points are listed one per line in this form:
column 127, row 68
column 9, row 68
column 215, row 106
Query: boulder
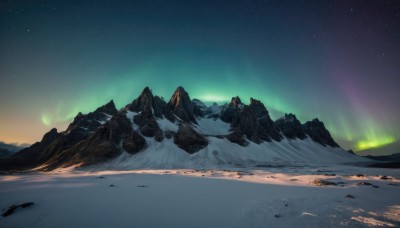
column 189, row 140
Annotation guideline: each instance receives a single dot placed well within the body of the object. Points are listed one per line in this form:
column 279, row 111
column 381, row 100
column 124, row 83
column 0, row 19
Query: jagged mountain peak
column 146, row 90
column 179, row 97
column 258, row 108
column 317, row 131
column 236, row 102
column 182, row 106
column 50, row 135
column 290, row 126
column 143, row 103
column 109, row 108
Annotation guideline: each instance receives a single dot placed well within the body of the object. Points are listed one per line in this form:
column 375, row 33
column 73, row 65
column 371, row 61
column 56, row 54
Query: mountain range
column 151, row 132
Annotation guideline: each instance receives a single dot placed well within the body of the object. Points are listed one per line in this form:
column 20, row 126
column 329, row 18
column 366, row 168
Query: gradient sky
column 335, row 60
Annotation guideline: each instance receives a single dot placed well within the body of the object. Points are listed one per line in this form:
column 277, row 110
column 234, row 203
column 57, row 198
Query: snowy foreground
column 259, row 197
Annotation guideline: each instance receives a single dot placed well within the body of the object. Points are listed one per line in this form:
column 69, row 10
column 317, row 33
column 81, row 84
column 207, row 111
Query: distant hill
column 6, row 150
column 392, row 157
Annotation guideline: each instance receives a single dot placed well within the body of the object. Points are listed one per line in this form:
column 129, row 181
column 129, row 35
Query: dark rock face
column 108, row 109
column 252, row 120
column 237, row 138
column 291, row 127
column 98, row 147
column 134, row 143
column 36, row 154
column 235, row 102
column 317, row 132
column 83, row 125
column 145, row 104
column 182, row 106
column 189, row 140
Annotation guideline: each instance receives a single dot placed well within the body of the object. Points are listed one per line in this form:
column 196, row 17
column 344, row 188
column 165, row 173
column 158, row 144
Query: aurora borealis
column 335, row 60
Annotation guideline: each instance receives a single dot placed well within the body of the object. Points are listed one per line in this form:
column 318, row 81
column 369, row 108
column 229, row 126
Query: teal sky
column 335, row 60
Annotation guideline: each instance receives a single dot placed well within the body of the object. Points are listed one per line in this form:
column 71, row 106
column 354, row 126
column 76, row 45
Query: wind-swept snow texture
column 234, row 198
column 220, row 153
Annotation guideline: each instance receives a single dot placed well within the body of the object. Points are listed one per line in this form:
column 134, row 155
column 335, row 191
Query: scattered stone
column 375, row 186
column 363, row 183
column 277, row 216
column 324, row 171
column 394, row 184
column 360, row 175
column 286, row 205
column 101, row 177
column 329, row 174
column 14, row 207
column 111, row 185
column 349, row 196
column 323, row 182
column 294, row 179
column 142, row 186
column 385, row 178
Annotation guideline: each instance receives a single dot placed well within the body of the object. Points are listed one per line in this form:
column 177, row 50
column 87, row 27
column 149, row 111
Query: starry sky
column 335, row 60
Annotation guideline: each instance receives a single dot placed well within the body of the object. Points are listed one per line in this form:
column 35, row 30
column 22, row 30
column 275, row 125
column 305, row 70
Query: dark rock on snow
column 13, row 208
column 291, row 127
column 317, row 132
column 189, row 140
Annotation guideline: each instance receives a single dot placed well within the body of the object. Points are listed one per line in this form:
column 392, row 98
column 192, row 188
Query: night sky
column 335, row 60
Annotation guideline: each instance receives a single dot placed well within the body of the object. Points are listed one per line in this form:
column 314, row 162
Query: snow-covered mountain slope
column 221, row 153
column 183, row 133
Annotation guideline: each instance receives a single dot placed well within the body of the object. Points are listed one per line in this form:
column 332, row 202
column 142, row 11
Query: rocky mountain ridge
column 106, row 133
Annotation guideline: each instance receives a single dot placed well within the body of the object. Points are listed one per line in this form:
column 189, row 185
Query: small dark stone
column 324, row 171
column 101, row 177
column 375, row 186
column 142, row 186
column 360, row 175
column 9, row 211
column 385, row 178
column 277, row 216
column 28, row 204
column 349, row 196
column 286, row 205
column 363, row 183
column 323, row 182
column 111, row 185
column 12, row 208
column 329, row 174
